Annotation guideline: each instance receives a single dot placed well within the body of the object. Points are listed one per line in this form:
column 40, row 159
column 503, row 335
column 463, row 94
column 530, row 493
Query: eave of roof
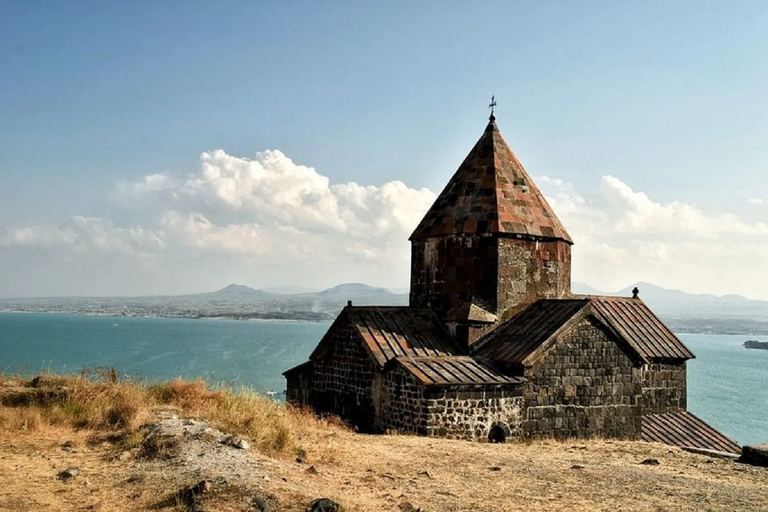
column 685, row 430
column 458, row 371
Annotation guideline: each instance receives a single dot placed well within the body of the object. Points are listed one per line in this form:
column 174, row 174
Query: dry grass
column 101, row 402
column 364, row 473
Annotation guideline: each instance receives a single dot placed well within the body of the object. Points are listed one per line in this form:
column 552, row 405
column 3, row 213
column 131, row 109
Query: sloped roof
column 641, row 328
column 630, row 319
column 491, row 193
column 392, row 331
column 457, row 370
column 521, row 335
column 685, row 430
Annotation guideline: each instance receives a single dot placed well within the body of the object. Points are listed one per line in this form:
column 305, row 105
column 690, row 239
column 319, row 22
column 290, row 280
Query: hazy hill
column 683, row 312
column 355, row 290
column 231, row 292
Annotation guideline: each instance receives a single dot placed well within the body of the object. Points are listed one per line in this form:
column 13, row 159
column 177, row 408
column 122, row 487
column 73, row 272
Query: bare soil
column 365, row 473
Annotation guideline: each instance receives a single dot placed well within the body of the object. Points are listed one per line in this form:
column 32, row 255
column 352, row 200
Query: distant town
column 682, row 312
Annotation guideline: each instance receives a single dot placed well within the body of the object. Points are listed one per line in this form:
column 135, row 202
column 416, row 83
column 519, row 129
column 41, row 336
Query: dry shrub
column 79, row 402
column 192, row 396
column 100, row 401
column 26, row 418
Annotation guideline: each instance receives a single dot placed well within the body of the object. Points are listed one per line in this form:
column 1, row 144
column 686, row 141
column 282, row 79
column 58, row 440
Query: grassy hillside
column 98, row 425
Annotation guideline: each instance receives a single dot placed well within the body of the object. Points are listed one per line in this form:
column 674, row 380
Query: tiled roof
column 685, row 430
column 491, row 193
column 630, row 319
column 457, row 370
column 389, row 332
column 521, row 335
column 641, row 328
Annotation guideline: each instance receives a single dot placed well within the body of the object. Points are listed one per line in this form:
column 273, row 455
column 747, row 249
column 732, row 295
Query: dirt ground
column 374, row 473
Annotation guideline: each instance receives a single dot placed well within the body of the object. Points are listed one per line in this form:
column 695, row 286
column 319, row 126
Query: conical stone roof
column 491, row 194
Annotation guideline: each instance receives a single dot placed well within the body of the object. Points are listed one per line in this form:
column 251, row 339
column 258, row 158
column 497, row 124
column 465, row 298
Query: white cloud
column 263, row 221
column 755, row 200
column 268, row 221
column 622, row 236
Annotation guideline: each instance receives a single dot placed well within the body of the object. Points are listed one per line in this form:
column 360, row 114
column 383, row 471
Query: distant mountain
column 354, row 289
column 231, row 292
column 681, row 311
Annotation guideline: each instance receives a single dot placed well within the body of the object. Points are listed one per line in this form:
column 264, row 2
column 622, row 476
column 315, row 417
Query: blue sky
column 645, row 124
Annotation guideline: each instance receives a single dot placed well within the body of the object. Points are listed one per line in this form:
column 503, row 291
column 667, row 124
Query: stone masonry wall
column 342, row 379
column 529, row 270
column 504, row 273
column 402, row 403
column 299, row 385
column 464, row 414
column 411, row 408
column 447, row 271
column 664, row 388
column 471, row 414
column 586, row 385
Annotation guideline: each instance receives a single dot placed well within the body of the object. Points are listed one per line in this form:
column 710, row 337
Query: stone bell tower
column 489, row 245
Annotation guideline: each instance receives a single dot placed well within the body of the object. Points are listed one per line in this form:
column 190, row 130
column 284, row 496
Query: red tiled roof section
column 391, row 332
column 522, row 334
column 641, row 328
column 685, row 430
column 457, row 370
column 491, row 193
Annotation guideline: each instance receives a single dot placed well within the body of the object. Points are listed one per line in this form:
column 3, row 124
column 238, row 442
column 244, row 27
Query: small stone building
column 493, row 344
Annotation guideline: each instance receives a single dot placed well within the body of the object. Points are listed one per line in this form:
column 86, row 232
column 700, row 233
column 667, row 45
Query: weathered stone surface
column 323, row 505
column 68, row 474
column 756, row 455
column 664, row 388
column 586, row 385
column 236, row 442
column 268, row 503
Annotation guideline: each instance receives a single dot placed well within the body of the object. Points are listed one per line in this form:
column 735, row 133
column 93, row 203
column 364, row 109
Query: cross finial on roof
column 491, row 105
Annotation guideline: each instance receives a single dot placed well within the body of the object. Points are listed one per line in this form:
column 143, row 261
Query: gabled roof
column 518, row 339
column 491, row 193
column 521, row 335
column 458, row 370
column 685, row 430
column 391, row 331
column 641, row 328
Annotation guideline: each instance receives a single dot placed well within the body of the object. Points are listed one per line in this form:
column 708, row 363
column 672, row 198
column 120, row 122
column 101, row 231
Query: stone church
column 493, row 345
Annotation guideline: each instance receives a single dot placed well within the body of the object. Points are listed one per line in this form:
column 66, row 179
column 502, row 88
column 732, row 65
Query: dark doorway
column 497, row 435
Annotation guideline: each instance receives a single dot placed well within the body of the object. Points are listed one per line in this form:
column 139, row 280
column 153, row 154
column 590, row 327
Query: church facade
column 493, row 345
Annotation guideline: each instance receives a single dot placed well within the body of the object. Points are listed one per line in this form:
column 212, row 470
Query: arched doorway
column 497, row 435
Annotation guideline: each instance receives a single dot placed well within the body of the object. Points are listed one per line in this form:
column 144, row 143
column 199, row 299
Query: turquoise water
column 727, row 384
column 252, row 354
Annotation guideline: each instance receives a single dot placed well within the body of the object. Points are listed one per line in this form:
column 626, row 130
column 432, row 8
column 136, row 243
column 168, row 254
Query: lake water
column 727, row 384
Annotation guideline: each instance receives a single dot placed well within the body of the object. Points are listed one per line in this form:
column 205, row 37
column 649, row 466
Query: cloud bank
column 622, row 236
column 268, row 221
column 265, row 221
